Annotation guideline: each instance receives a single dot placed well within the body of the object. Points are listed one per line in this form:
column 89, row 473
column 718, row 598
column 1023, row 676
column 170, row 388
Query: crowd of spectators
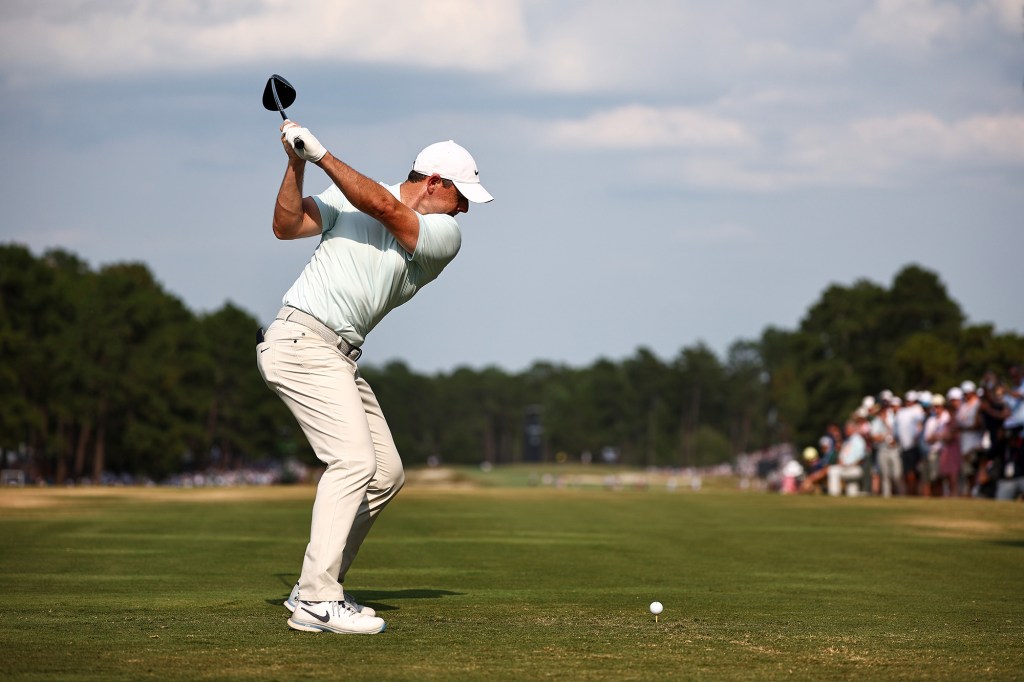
column 964, row 442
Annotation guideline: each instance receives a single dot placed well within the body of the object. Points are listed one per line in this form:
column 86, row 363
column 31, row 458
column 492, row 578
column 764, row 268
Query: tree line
column 102, row 370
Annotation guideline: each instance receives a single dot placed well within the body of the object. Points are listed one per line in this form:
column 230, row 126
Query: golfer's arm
column 374, row 200
column 294, row 216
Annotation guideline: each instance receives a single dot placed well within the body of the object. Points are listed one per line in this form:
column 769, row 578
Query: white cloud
column 777, row 55
column 745, row 175
column 867, row 152
column 671, row 46
column 1008, row 13
column 910, row 24
column 876, row 152
column 920, row 26
column 565, row 47
column 90, row 39
column 890, row 149
column 639, row 127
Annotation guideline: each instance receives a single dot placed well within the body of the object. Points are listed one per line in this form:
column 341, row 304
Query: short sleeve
column 330, row 202
column 438, row 242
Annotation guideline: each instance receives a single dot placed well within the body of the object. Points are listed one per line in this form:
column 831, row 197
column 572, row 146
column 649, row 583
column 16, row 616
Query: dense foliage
column 105, row 371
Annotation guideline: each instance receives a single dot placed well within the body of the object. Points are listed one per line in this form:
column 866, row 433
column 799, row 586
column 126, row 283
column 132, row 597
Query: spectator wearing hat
column 909, row 421
column 935, row 428
column 818, row 469
column 811, row 458
column 950, row 461
column 868, row 409
column 792, row 471
column 968, row 423
column 889, row 468
column 851, row 458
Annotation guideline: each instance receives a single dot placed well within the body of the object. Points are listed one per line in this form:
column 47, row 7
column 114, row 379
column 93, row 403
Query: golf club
column 278, row 95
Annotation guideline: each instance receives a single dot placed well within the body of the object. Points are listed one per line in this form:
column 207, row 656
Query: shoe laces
column 343, row 609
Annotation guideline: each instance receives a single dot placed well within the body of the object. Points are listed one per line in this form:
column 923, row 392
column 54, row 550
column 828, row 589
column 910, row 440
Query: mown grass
column 516, row 583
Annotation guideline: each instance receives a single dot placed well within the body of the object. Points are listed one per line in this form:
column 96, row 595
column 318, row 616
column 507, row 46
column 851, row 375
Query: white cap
column 868, row 402
column 968, row 387
column 911, row 396
column 792, row 469
column 925, row 397
column 955, row 393
column 454, row 163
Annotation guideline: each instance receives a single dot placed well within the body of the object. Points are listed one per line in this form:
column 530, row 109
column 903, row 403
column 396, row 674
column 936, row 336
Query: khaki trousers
column 343, row 422
column 890, row 469
column 837, row 473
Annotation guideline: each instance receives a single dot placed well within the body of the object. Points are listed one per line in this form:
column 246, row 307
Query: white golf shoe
column 333, row 616
column 293, row 598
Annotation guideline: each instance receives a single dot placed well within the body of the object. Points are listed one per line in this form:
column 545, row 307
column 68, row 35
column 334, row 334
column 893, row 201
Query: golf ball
column 656, row 607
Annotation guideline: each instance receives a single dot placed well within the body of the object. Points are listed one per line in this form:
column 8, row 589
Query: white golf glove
column 311, row 149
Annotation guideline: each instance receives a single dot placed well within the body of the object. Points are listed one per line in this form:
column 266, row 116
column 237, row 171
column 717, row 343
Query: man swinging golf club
column 379, row 245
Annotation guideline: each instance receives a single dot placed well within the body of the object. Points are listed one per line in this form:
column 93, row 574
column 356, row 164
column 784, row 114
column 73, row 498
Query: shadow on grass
column 1009, row 543
column 374, row 597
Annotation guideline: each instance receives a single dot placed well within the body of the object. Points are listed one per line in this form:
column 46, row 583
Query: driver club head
column 278, row 95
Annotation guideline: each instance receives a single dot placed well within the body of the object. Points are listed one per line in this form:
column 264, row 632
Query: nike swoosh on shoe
column 323, row 619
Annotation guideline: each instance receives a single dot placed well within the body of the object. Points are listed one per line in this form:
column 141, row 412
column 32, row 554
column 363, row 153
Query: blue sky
column 665, row 173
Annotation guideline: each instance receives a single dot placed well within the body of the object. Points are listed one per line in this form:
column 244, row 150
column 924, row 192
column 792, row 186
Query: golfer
column 379, row 245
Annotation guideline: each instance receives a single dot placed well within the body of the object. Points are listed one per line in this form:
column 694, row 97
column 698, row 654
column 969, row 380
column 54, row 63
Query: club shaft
column 277, row 101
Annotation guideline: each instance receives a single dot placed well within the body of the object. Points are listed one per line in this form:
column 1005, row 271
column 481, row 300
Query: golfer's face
column 454, row 198
column 441, row 199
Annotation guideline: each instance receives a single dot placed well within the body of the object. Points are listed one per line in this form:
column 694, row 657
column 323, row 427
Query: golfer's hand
column 311, row 149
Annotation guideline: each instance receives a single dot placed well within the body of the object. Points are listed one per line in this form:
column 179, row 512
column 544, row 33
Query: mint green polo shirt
column 359, row 273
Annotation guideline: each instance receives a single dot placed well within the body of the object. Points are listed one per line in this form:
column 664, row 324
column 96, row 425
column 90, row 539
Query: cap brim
column 474, row 191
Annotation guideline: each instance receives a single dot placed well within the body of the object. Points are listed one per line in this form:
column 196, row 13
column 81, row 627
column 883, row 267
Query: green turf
column 524, row 583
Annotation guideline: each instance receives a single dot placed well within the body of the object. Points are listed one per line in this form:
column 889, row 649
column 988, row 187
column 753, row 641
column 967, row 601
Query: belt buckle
column 350, row 351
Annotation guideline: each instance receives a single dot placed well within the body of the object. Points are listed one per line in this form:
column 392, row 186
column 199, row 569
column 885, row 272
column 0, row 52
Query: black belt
column 290, row 314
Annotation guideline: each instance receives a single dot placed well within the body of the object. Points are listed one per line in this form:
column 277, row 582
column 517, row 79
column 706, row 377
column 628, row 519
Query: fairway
column 515, row 583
